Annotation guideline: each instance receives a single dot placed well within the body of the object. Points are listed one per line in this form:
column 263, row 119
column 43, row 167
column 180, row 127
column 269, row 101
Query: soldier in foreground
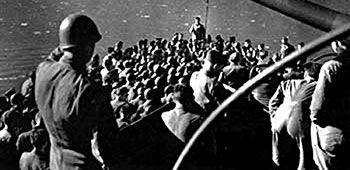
column 72, row 106
column 330, row 111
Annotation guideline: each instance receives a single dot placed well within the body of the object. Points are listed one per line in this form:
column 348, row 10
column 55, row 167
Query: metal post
column 206, row 18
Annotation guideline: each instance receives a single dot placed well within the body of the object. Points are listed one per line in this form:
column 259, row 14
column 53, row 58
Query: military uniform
column 330, row 115
column 207, row 90
column 72, row 108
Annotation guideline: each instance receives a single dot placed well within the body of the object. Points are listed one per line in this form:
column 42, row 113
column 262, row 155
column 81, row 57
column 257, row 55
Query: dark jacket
column 72, row 109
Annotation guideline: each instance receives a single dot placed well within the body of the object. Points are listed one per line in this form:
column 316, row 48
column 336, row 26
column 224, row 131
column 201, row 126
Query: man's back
column 59, row 89
column 183, row 124
column 71, row 108
column 33, row 161
column 285, row 92
column 330, row 111
column 332, row 94
column 203, row 86
column 291, row 123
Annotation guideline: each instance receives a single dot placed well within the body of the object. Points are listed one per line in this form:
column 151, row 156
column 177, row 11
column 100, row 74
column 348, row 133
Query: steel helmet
column 76, row 30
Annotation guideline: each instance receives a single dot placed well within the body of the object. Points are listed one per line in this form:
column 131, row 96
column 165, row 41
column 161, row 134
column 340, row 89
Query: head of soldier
column 118, row 45
column 235, row 58
column 214, row 61
column 39, row 138
column 78, row 35
column 197, row 20
column 284, row 40
column 182, row 94
column 340, row 46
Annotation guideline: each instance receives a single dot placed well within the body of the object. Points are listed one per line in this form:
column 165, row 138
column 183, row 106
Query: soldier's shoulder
column 45, row 63
column 195, row 74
